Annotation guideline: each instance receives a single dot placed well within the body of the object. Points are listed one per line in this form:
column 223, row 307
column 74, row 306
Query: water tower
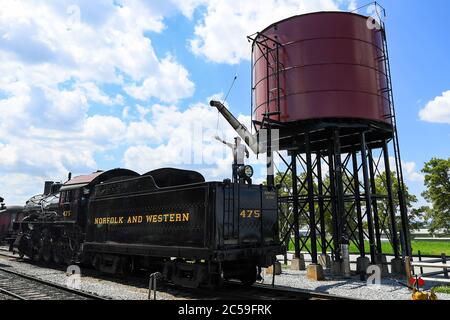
column 323, row 81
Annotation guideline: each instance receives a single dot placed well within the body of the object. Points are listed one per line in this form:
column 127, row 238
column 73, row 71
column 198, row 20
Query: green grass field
column 425, row 247
column 442, row 289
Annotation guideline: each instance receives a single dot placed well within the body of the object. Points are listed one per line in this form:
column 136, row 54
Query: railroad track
column 232, row 290
column 24, row 287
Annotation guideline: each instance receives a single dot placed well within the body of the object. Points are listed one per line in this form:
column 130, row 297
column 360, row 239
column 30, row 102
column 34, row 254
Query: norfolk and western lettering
column 150, row 218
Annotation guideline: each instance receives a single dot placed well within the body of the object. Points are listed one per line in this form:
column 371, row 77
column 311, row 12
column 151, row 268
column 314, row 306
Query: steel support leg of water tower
column 325, row 259
column 393, row 220
column 357, row 193
column 315, row 270
column 362, row 261
column 334, row 218
column 298, row 261
column 342, row 224
column 311, row 209
column 295, row 205
column 373, row 191
column 397, row 266
column 368, row 200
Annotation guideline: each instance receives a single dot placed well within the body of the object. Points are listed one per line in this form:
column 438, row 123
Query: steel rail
column 55, row 290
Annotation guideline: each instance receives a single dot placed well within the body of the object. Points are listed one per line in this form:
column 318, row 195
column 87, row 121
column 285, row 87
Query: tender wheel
column 249, row 277
column 67, row 255
column 96, row 261
column 126, row 266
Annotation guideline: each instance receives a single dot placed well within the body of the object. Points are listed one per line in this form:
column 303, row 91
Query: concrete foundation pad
column 324, row 261
column 269, row 270
column 382, row 263
column 298, row 263
column 397, row 267
column 361, row 264
column 315, row 272
column 336, row 268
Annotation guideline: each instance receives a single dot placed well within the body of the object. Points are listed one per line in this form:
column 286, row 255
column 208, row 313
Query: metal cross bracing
column 334, row 195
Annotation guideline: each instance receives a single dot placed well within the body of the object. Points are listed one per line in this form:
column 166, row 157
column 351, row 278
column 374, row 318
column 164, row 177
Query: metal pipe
column 390, row 199
column 336, row 234
column 321, row 204
column 338, row 170
column 368, row 198
column 244, row 133
column 295, row 205
column 312, row 214
column 373, row 192
column 361, row 248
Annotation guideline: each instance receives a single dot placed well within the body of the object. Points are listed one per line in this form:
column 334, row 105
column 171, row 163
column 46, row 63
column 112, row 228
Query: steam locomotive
column 195, row 233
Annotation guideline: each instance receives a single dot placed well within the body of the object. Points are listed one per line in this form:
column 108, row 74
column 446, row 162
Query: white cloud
column 182, row 138
column 55, row 63
column 24, row 186
column 221, row 35
column 170, row 84
column 104, row 129
column 409, row 169
column 141, row 133
column 42, row 44
column 437, row 110
column 411, row 173
column 93, row 93
column 187, row 7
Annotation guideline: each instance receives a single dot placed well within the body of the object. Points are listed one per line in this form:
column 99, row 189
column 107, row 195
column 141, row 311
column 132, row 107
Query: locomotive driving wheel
column 46, row 244
column 36, row 246
column 36, row 252
column 25, row 246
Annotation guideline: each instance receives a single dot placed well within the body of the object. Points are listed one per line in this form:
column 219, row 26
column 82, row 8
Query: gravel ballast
column 389, row 289
column 100, row 286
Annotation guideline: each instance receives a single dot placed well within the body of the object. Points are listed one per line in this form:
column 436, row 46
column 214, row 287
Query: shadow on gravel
column 349, row 283
column 4, row 266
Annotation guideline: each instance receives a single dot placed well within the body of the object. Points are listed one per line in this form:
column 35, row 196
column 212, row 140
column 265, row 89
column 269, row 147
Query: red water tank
column 330, row 66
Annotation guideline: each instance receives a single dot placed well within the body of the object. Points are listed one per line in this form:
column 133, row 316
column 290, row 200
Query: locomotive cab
column 73, row 203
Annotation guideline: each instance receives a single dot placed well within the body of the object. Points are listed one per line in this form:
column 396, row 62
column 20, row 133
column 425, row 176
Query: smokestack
column 48, row 187
column 70, row 176
column 55, row 187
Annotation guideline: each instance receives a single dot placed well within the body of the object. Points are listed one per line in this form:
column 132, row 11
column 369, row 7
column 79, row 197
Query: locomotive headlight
column 246, row 172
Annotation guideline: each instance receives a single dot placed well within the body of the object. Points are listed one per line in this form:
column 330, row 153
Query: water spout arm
column 242, row 131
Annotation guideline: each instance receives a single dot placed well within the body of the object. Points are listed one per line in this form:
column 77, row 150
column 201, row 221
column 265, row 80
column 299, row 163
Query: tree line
column 435, row 216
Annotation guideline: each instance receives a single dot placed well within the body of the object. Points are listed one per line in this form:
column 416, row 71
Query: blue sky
column 96, row 85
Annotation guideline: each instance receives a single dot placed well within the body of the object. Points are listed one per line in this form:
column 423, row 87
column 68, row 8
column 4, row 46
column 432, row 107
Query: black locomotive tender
column 168, row 220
